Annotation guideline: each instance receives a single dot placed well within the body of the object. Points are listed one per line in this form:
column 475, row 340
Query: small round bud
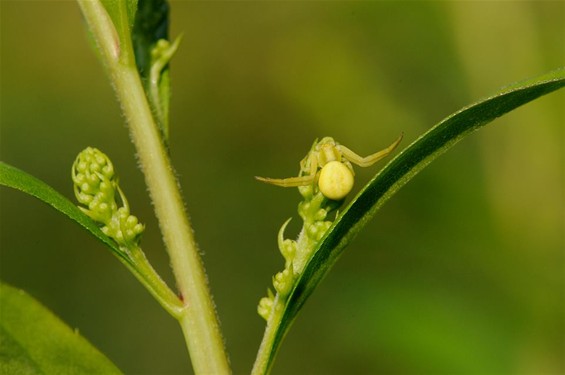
column 160, row 48
column 336, row 180
column 317, row 230
column 321, row 214
column 283, row 282
column 288, row 251
column 306, row 191
column 287, row 247
column 265, row 307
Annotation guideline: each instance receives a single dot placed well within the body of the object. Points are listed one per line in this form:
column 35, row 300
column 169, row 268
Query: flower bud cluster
column 95, row 186
column 313, row 210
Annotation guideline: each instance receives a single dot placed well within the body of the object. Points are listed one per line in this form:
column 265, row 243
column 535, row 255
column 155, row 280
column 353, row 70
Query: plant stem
column 138, row 264
column 265, row 355
column 198, row 320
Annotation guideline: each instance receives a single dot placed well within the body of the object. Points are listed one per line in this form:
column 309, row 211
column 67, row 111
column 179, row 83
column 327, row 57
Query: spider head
column 326, row 151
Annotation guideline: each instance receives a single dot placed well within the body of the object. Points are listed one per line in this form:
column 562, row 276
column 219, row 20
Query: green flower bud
column 287, row 247
column 283, row 281
column 265, row 307
column 95, row 186
column 307, row 191
column 304, row 209
column 321, row 214
column 317, row 230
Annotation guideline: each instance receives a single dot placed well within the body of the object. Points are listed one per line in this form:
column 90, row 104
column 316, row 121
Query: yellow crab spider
column 329, row 163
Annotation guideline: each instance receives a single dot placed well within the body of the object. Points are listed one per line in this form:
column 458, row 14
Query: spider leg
column 371, row 159
column 288, row 182
column 313, row 165
column 296, row 181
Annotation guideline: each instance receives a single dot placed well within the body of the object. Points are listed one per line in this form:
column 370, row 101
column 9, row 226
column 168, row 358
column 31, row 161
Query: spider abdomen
column 336, row 180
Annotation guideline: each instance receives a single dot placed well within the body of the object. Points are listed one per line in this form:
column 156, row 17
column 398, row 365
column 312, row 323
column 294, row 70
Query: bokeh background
column 462, row 272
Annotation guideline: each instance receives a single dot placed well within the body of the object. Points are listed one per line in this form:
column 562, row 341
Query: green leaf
column 135, row 261
column 386, row 183
column 34, row 341
column 153, row 52
column 151, row 24
column 20, row 180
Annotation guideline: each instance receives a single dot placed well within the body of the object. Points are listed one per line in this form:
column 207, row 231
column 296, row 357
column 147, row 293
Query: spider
column 329, row 163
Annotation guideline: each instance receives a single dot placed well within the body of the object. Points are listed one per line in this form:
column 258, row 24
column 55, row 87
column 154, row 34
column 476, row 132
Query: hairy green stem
column 264, row 359
column 199, row 322
column 144, row 272
column 198, row 319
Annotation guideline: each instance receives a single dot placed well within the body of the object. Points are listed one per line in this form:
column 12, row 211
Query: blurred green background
column 462, row 272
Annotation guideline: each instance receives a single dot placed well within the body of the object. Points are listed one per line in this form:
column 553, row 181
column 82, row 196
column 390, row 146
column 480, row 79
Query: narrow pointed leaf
column 34, row 341
column 136, row 263
column 396, row 174
column 152, row 26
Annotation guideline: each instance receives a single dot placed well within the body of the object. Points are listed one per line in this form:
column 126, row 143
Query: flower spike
column 325, row 179
column 95, row 186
